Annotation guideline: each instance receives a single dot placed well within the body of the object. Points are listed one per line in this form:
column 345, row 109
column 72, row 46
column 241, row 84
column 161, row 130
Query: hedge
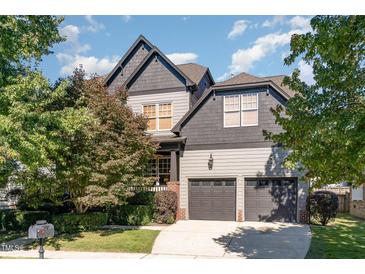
column 142, row 198
column 16, row 220
column 131, row 215
column 73, row 222
column 165, row 207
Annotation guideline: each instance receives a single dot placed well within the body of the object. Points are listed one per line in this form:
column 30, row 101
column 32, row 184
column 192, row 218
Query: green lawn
column 135, row 241
column 344, row 238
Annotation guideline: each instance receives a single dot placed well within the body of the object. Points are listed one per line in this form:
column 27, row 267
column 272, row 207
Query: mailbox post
column 40, row 231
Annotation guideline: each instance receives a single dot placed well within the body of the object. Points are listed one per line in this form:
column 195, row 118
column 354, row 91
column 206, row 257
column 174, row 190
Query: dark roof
column 168, row 139
column 154, row 51
column 243, row 80
column 140, row 39
column 278, row 80
column 194, row 71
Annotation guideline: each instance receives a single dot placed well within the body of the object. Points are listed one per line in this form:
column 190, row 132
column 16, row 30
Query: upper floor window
column 159, row 116
column 241, row 110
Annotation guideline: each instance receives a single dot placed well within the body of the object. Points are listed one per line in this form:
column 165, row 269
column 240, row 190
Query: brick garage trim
column 175, row 187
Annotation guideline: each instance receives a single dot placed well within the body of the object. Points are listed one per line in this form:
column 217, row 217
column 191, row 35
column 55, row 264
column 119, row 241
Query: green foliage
column 165, row 207
column 142, row 198
column 71, row 222
column 131, row 215
column 23, row 42
column 324, row 124
column 16, row 220
column 322, row 206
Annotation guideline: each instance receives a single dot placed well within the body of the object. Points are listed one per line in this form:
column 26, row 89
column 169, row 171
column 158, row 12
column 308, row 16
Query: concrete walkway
column 234, row 240
column 208, row 239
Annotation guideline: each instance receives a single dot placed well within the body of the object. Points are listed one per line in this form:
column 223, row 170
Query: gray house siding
column 156, row 75
column 205, row 128
column 203, row 85
column 239, row 164
column 179, row 100
column 129, row 65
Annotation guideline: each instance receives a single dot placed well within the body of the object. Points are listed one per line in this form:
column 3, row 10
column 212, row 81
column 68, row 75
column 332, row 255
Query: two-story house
column 210, row 137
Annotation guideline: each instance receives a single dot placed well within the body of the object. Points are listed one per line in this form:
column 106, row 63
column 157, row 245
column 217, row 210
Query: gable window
column 241, row 110
column 159, row 116
column 232, row 111
column 249, row 109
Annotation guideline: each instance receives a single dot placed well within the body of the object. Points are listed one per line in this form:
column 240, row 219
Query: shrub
column 72, row 222
column 16, row 220
column 131, row 215
column 165, row 207
column 142, row 198
column 322, row 206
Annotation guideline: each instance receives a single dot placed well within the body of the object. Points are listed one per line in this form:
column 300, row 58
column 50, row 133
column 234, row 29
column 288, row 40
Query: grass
column 344, row 238
column 134, row 241
column 6, row 236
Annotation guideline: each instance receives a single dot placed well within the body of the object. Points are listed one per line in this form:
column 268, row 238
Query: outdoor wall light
column 210, row 162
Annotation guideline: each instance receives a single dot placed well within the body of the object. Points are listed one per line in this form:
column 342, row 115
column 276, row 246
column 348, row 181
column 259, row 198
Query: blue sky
column 226, row 44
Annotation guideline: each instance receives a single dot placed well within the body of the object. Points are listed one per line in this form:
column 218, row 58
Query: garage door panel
column 271, row 199
column 216, row 199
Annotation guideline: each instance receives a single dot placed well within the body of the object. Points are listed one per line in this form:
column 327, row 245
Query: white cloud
column 238, row 29
column 90, row 64
column 126, row 18
column 244, row 59
column 74, row 54
column 277, row 19
column 71, row 32
column 306, row 72
column 300, row 22
column 94, row 26
column 182, row 58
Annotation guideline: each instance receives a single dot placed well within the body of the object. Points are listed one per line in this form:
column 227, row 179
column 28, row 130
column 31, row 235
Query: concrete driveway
column 218, row 239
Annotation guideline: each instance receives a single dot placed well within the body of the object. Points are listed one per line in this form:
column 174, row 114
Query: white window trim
column 224, row 111
column 248, row 109
column 158, row 116
column 240, row 110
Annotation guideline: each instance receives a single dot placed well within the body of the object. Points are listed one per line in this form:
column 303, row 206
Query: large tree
column 324, row 123
column 75, row 138
column 100, row 161
column 23, row 42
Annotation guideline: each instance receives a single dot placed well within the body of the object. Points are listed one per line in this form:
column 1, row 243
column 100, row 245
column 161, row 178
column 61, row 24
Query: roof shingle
column 195, row 72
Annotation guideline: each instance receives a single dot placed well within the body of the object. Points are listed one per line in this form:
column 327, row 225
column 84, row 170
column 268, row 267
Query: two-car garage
column 265, row 199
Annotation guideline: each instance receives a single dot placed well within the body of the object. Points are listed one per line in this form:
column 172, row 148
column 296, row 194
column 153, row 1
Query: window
column 241, row 110
column 159, row 116
column 160, row 169
column 232, row 111
column 150, row 112
column 249, row 109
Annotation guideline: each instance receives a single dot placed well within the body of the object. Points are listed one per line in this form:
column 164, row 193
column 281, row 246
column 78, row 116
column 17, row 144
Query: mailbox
column 41, row 230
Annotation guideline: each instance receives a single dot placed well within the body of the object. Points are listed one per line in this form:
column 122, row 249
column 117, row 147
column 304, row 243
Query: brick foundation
column 175, row 187
column 357, row 208
column 240, row 216
column 303, row 217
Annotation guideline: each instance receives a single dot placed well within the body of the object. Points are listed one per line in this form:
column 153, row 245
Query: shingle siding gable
column 206, row 127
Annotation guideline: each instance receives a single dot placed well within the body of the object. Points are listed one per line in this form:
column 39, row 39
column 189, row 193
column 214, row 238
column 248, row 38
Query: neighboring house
column 357, row 204
column 210, row 137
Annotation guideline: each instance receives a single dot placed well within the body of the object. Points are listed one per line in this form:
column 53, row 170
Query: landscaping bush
column 72, row 222
column 322, row 206
column 15, row 220
column 131, row 215
column 165, row 207
column 142, row 198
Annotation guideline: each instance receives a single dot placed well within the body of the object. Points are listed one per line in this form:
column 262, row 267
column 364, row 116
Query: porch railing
column 149, row 188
